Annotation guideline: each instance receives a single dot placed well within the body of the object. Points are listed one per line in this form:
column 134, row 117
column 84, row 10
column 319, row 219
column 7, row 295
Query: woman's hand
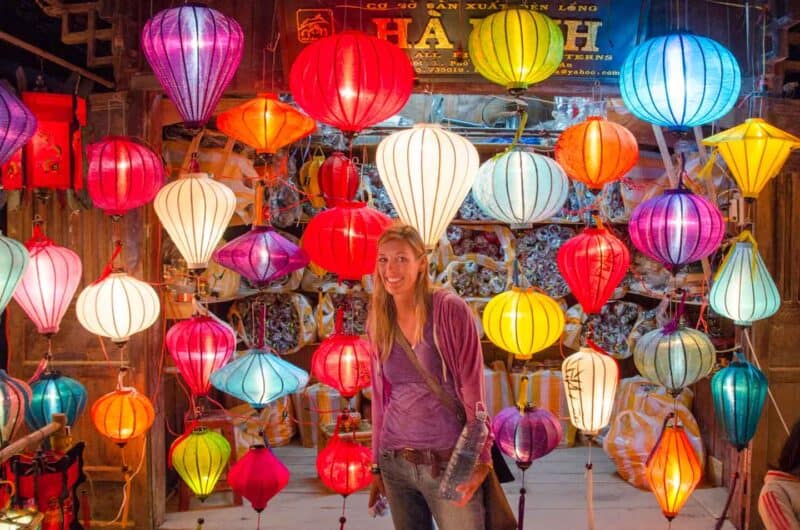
column 469, row 488
column 376, row 489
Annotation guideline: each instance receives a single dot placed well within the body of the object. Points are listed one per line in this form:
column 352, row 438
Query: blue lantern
column 13, row 262
column 55, row 393
column 739, row 391
column 680, row 81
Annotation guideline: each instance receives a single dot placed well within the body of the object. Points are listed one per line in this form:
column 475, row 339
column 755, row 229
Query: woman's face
column 399, row 267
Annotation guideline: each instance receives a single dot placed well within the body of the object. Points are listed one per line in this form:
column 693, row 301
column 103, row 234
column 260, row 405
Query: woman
column 779, row 501
column 413, row 431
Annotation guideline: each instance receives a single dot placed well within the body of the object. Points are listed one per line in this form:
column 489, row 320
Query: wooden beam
column 59, row 422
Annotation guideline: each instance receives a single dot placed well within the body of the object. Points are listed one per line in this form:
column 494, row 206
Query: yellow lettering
column 400, row 32
column 435, row 32
column 574, row 33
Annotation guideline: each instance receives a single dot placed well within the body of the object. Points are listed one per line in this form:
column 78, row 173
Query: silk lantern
column 590, row 383
column 342, row 361
column 123, row 174
column 344, row 239
column 743, row 289
column 261, row 255
column 194, row 52
column 672, row 469
column 53, row 393
column 593, row 264
column 14, row 261
column 195, row 210
column 123, row 414
column 49, row 282
column 17, row 124
column 258, row 476
column 427, row 173
column 200, row 457
column 523, row 322
column 351, row 80
column 516, row 48
column 739, row 391
column 338, row 179
column 754, row 152
column 520, row 187
column 199, row 346
column 15, row 398
column 677, row 227
column 597, row 151
column 344, row 466
column 526, row 435
column 680, row 81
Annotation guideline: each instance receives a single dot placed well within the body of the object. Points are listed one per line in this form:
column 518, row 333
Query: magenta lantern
column 338, row 179
column 258, row 476
column 123, row 174
column 261, row 255
column 527, row 435
column 342, row 361
column 17, row 123
column 194, row 52
column 199, row 346
column 49, row 282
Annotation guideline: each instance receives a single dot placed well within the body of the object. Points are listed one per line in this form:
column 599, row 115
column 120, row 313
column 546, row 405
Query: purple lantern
column 17, row 123
column 527, row 435
column 261, row 255
column 194, row 52
column 677, row 227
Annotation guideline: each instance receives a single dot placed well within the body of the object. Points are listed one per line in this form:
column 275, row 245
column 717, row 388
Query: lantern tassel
column 705, row 172
column 522, row 121
column 343, row 519
column 589, row 489
column 521, row 508
column 522, row 400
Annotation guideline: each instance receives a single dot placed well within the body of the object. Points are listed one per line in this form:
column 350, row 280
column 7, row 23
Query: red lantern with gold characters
column 338, row 179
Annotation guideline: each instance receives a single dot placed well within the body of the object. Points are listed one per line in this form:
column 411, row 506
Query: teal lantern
column 55, row 393
column 13, row 262
column 680, row 81
column 739, row 391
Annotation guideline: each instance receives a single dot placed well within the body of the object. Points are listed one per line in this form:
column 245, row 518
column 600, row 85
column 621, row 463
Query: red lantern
column 199, row 346
column 344, row 466
column 122, row 174
column 338, row 179
column 344, row 239
column 342, row 361
column 258, row 476
column 593, row 264
column 351, row 80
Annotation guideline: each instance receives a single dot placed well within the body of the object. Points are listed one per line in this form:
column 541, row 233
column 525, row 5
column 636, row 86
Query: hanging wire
column 746, row 333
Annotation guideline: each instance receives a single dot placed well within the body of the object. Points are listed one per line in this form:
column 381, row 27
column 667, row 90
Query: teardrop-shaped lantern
column 15, row 398
column 49, row 282
column 344, row 466
column 593, row 264
column 55, row 393
column 528, row 435
column 14, row 260
column 427, row 173
column 743, row 289
column 200, row 458
column 520, row 187
column 371, row 81
column 597, row 151
column 674, row 356
column 523, row 322
column 259, row 378
column 261, row 255
column 338, row 179
column 590, row 384
column 195, row 210
column 17, row 123
column 123, row 174
column 342, row 361
column 258, row 476
column 739, row 391
column 122, row 415
column 680, row 80
column 199, row 346
column 194, row 51
column 516, row 48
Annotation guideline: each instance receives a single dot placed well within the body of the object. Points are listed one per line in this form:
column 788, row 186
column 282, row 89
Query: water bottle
column 465, row 457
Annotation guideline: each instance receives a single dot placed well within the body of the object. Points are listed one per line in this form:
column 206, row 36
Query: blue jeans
column 414, row 499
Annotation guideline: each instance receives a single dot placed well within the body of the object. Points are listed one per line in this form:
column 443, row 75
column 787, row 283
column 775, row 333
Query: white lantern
column 590, row 384
column 519, row 187
column 195, row 210
column 427, row 172
column 674, row 356
column 117, row 307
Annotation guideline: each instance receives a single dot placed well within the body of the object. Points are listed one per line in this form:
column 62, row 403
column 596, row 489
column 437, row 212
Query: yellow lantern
column 516, row 48
column 200, row 458
column 754, row 151
column 523, row 321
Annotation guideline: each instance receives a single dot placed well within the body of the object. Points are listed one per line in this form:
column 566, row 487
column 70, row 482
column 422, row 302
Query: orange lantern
column 122, row 414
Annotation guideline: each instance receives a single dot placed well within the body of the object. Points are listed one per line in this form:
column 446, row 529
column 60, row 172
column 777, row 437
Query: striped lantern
column 200, row 457
column 17, row 123
column 520, row 187
column 526, row 435
column 199, row 346
column 14, row 260
column 258, row 476
column 55, row 393
column 338, row 179
column 261, row 255
column 590, row 384
column 739, row 391
column 342, row 361
column 122, row 415
column 344, row 466
column 15, row 398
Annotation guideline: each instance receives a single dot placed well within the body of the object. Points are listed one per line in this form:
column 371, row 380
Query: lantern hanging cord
column 746, row 333
column 125, row 488
column 109, row 268
column 589, row 487
column 731, row 491
column 521, row 506
column 523, row 119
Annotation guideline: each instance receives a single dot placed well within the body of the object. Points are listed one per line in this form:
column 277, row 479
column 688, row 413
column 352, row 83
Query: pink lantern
column 199, row 346
column 342, row 361
column 258, row 476
column 261, row 255
column 526, row 435
column 17, row 124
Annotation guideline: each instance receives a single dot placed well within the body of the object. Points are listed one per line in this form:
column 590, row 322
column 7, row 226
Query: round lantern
column 338, row 179
column 351, row 80
column 680, row 80
column 427, row 173
column 122, row 415
column 258, row 476
column 523, row 322
column 743, row 289
column 122, row 174
column 597, row 151
column 194, row 52
column 739, row 391
column 754, row 152
column 520, row 187
column 265, row 123
column 342, row 361
column 259, row 378
column 200, row 457
column 261, row 255
column 15, row 398
column 526, row 435
column 49, row 282
column 344, row 466
column 117, row 307
column 590, row 383
column 593, row 264
column 673, row 469
column 677, row 227
column 14, row 260
column 199, row 346
column 54, row 393
column 674, row 356
column 344, row 239
column 516, row 48
column 17, row 123
column 195, row 210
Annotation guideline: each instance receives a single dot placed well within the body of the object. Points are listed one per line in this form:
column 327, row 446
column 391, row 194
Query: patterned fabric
column 277, row 420
column 317, row 405
column 779, row 501
column 498, row 390
column 546, row 390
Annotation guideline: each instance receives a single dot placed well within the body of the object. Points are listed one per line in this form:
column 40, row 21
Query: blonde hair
column 382, row 317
